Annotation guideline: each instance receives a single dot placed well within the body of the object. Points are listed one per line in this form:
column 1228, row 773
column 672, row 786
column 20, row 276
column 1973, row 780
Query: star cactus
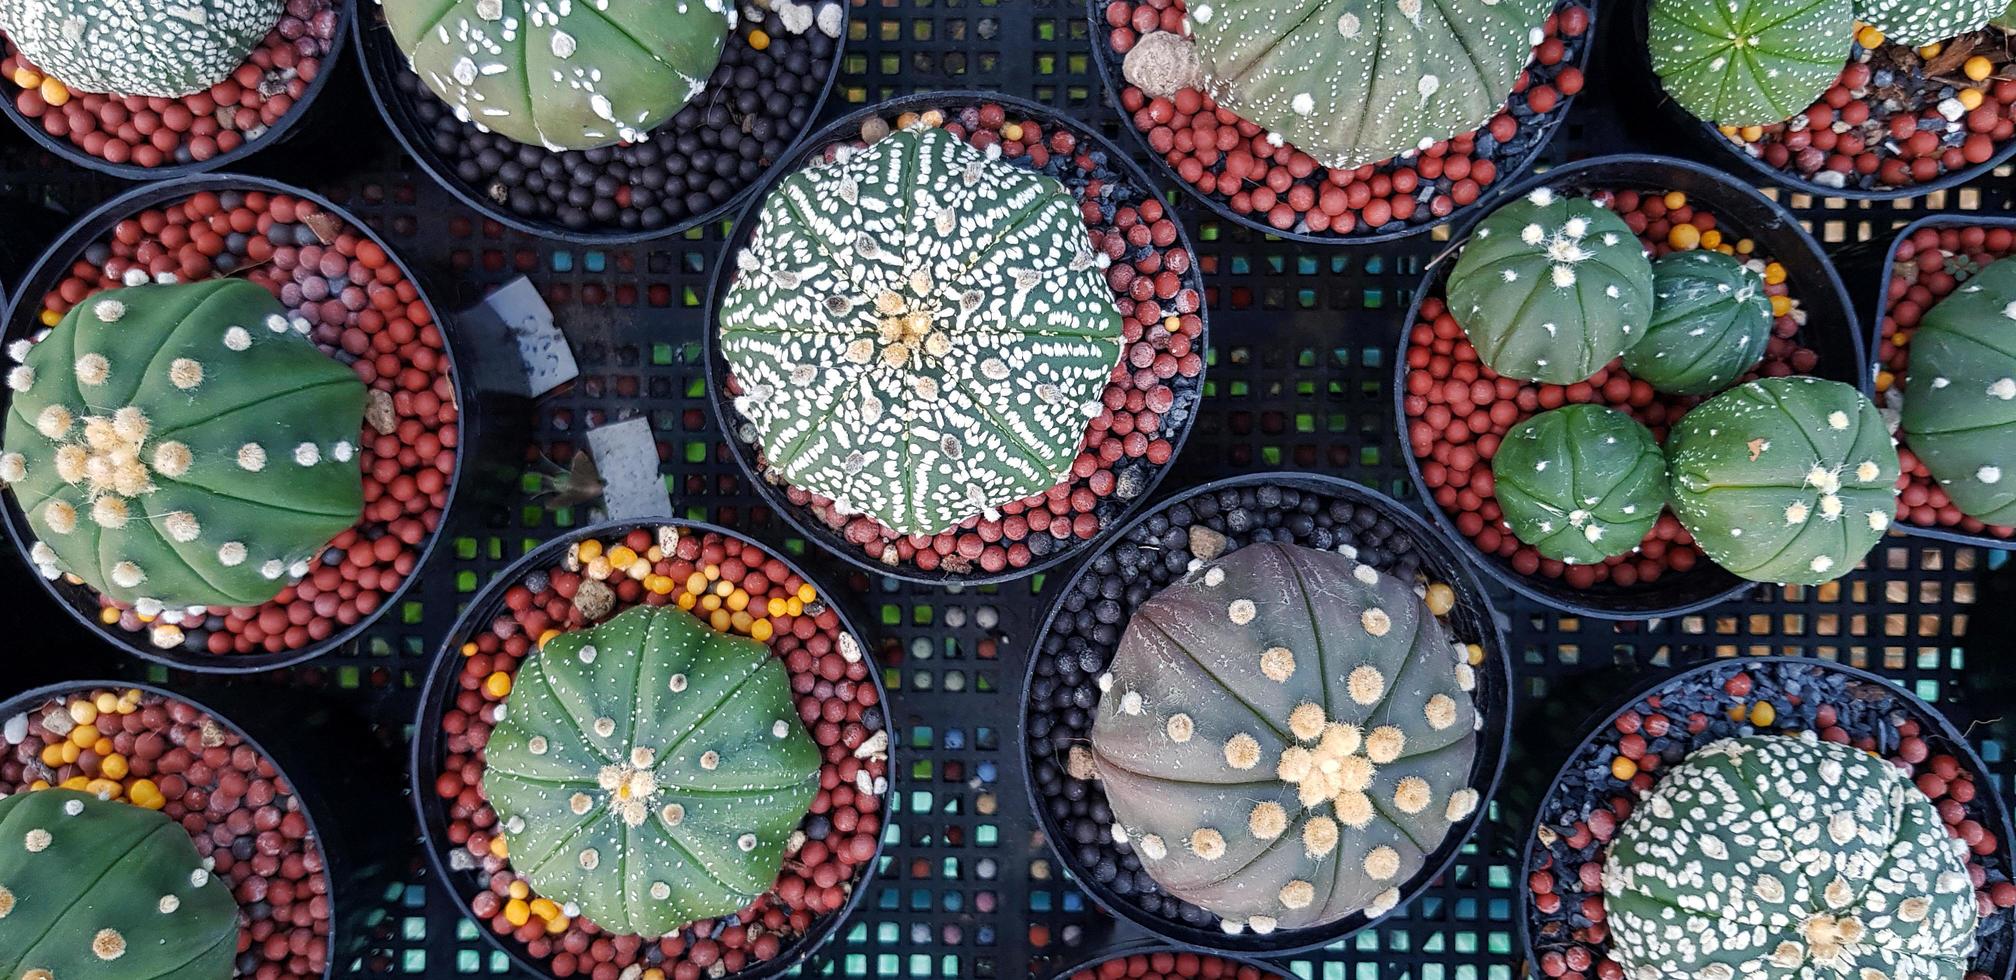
column 650, row 770
column 1783, row 857
column 1960, row 394
column 1784, row 479
column 1917, row 23
column 97, row 888
column 1580, row 483
column 1551, row 288
column 1286, row 738
column 1710, row 323
column 1749, row 62
column 183, row 445
column 127, row 48
column 921, row 332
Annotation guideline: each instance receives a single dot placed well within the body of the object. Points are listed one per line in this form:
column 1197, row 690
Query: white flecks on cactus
column 185, row 373
column 1749, row 62
column 251, row 457
column 165, row 50
column 1959, row 412
column 1917, row 23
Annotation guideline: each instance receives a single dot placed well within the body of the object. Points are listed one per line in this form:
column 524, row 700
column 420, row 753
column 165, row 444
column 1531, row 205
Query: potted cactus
column 1711, row 321
column 1580, row 483
column 1786, row 55
column 1958, row 417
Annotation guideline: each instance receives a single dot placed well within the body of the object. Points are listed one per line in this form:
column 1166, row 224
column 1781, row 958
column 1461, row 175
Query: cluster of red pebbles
column 1171, row 965
column 1230, row 160
column 360, row 309
column 1926, row 266
column 1159, row 294
column 837, row 699
column 150, row 132
column 241, row 813
column 1457, row 408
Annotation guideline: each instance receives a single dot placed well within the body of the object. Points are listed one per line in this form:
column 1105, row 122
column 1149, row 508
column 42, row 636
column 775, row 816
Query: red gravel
column 377, row 322
column 1170, row 966
column 1458, row 409
column 1923, row 271
column 1230, row 160
column 240, row 812
column 156, row 132
column 837, row 699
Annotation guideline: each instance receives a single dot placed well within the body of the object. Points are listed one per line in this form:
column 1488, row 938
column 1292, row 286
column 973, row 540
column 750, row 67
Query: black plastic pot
column 1107, row 63
column 275, row 134
column 441, row 688
column 721, row 407
column 1997, row 958
column 81, row 602
column 383, row 61
column 1148, row 948
column 1472, row 620
column 1831, row 331
column 335, row 777
column 1708, row 136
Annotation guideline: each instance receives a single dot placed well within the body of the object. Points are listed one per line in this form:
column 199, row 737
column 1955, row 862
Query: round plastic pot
column 440, row 690
column 383, row 61
column 275, row 134
column 1472, row 619
column 335, row 783
column 1150, row 948
column 1830, row 331
column 1936, row 729
column 1107, row 63
column 1707, row 135
column 81, row 602
column 801, row 518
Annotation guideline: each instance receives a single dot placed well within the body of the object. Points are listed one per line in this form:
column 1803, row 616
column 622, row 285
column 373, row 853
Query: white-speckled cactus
column 1711, row 322
column 1352, row 82
column 1783, row 857
column 1287, row 736
column 1580, row 483
column 138, row 47
column 1917, row 23
column 1749, row 62
column 921, row 333
column 1960, row 395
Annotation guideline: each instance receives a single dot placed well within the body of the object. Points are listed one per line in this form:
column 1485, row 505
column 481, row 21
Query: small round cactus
column 1287, row 736
column 1960, row 395
column 1783, row 857
column 1580, row 483
column 1357, row 83
column 650, row 771
column 1784, row 479
column 1710, row 323
column 125, row 48
column 1551, row 288
column 183, row 445
column 1749, row 62
column 97, row 888
column 1917, row 23
column 921, row 332
column 564, row 76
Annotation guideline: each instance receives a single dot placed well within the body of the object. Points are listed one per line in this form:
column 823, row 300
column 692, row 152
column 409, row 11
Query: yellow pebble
column 83, row 712
column 1683, row 236
column 518, row 890
column 78, row 783
column 113, row 766
column 1869, row 37
column 1172, row 323
column 1675, row 200
column 710, row 602
column 1736, row 712
column 653, row 974
column 54, row 92
column 1011, row 131
column 723, row 588
column 1762, row 714
column 1931, row 51
column 794, row 606
column 761, row 630
column 1729, row 130
column 696, row 583
column 557, row 925
column 1978, row 68
column 547, row 637
column 1711, row 238
column 1623, row 768
column 1884, row 380
column 107, row 788
column 70, row 751
column 27, row 78
column 1441, row 599
column 84, row 736
column 655, row 553
column 106, row 702
column 711, row 571
column 497, row 685
column 740, row 621
column 658, row 584
column 759, row 40
column 103, row 747
column 51, row 318
column 738, row 600
column 906, row 120
column 545, row 909
column 1751, row 134
column 1745, row 246
column 621, row 557
column 144, row 793
column 1970, row 99
column 1476, row 655
column 776, row 607
column 589, row 550
column 1781, row 305
column 806, row 593
column 1774, row 273
column 599, row 569
column 686, row 600
column 38, row 786
column 932, row 117
column 52, row 754
column 498, row 848
column 469, row 649
column 517, row 912
column 718, row 619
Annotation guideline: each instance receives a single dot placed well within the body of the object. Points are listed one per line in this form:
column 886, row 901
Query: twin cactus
column 116, row 47
column 183, row 445
column 96, row 888
column 1959, row 413
column 1580, row 483
column 650, row 771
column 1286, row 737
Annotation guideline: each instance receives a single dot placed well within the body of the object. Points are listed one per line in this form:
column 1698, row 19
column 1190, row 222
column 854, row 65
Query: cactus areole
column 559, row 74
column 1784, row 479
column 1580, row 483
column 1749, row 62
column 1711, row 321
column 921, row 332
column 1917, row 23
column 650, row 771
column 183, row 445
column 1783, row 857
column 138, row 47
column 98, row 888
column 1960, row 395
column 1551, row 288
column 1287, row 737
column 1352, row 82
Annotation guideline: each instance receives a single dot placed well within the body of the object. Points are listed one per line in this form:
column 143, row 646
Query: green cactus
column 1286, row 737
column 1551, row 288
column 1784, row 479
column 183, row 445
column 1749, row 62
column 921, row 332
column 1352, row 82
column 1783, row 857
column 650, row 771
column 119, row 47
column 1917, row 23
column 1711, row 321
column 96, row 888
column 1580, row 483
column 1960, row 394
column 565, row 76
column 2006, row 18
